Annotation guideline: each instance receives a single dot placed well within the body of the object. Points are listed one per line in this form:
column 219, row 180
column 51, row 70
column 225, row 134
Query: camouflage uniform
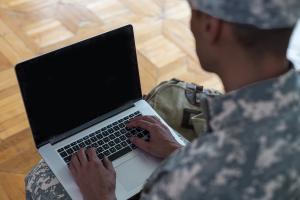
column 251, row 153
column 42, row 184
column 253, row 146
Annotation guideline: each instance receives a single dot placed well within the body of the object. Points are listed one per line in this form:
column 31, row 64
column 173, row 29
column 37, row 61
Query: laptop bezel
column 97, row 120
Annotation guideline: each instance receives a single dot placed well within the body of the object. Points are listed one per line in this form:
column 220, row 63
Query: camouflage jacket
column 251, row 153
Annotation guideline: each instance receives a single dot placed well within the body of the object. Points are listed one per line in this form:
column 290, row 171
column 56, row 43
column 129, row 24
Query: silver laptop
column 82, row 96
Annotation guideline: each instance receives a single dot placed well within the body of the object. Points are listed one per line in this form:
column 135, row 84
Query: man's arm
column 161, row 143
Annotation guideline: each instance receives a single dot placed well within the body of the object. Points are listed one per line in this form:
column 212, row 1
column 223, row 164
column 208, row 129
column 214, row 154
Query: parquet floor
column 31, row 27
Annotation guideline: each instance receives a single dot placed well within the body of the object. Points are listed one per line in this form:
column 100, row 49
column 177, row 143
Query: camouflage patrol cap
column 263, row 14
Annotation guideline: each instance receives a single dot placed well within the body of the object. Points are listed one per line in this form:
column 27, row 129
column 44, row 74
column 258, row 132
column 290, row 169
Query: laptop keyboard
column 111, row 141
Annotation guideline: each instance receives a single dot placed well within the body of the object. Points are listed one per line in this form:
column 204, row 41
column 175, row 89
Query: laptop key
column 112, row 137
column 69, row 151
column 124, row 144
column 105, row 133
column 100, row 142
column 87, row 142
column 118, row 147
column 123, row 131
column 86, row 137
column 133, row 146
column 81, row 145
column 111, row 143
column 100, row 156
column 117, row 134
column 106, row 139
column 67, row 147
column 99, row 149
column 79, row 141
column 120, row 153
column 123, row 137
column 92, row 134
column 139, row 129
column 68, row 159
column 106, row 153
column 94, row 139
column 112, row 150
column 60, row 150
column 133, row 131
column 63, row 154
column 95, row 145
column 76, row 148
column 99, row 136
column 117, row 140
column 140, row 135
column 110, row 130
column 128, row 135
column 105, row 146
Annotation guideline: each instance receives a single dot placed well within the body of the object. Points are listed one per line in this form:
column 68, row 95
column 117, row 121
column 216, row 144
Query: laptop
column 83, row 96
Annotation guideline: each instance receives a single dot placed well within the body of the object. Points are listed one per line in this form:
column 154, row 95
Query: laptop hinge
column 91, row 123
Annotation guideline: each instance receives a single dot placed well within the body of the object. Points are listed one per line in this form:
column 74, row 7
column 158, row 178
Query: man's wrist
column 177, row 146
column 174, row 147
column 108, row 197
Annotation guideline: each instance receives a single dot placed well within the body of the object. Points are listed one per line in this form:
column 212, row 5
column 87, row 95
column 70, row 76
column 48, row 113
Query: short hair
column 260, row 41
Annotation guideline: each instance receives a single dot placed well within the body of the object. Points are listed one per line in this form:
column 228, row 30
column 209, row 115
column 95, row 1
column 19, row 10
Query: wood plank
column 13, row 40
column 3, row 193
column 18, row 153
column 11, row 126
column 7, row 78
column 13, row 185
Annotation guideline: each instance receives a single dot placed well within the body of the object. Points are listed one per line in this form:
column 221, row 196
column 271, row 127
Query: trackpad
column 134, row 172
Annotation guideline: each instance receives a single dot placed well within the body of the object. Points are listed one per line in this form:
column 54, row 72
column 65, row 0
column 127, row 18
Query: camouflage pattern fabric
column 252, row 152
column 42, row 184
column 264, row 14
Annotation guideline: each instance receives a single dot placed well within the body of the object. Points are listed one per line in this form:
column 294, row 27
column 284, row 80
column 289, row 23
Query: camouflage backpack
column 182, row 105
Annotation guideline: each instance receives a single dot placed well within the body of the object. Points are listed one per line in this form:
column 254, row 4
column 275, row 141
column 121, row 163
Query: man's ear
column 213, row 28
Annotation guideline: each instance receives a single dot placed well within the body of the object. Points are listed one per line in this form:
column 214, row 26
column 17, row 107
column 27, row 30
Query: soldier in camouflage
column 253, row 141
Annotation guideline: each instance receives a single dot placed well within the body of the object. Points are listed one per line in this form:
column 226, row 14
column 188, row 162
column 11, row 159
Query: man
column 251, row 151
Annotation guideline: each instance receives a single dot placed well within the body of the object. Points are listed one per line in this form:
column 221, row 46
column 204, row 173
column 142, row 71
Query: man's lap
column 42, row 184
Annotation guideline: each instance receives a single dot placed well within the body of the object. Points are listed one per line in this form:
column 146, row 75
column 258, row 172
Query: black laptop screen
column 74, row 85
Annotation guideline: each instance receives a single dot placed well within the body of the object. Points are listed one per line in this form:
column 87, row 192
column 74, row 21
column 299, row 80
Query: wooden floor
column 31, row 27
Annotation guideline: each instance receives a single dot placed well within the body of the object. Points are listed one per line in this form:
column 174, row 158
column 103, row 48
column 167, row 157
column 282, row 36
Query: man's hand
column 161, row 143
column 95, row 178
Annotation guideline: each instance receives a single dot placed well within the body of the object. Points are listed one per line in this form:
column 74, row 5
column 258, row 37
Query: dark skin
column 220, row 53
column 95, row 178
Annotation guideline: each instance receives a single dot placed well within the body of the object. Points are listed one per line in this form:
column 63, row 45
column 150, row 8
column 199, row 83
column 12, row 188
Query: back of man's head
column 259, row 25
